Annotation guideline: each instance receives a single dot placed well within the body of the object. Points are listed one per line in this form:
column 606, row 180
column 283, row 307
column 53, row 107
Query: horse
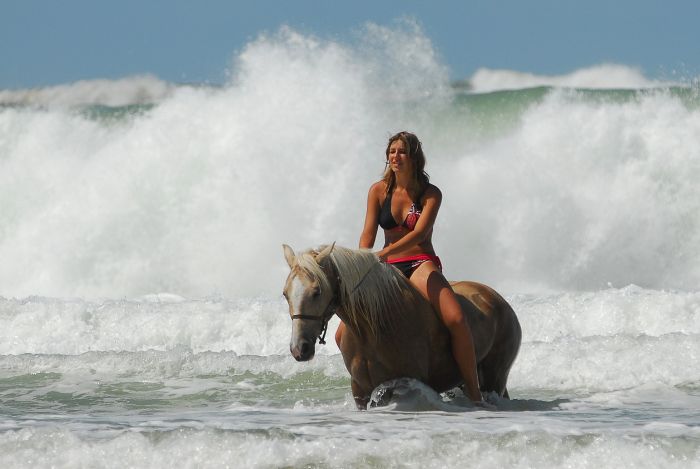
column 392, row 331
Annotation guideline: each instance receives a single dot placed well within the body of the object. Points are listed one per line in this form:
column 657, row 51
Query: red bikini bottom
column 407, row 265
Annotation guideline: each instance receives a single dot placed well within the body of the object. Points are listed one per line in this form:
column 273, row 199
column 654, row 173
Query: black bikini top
column 386, row 219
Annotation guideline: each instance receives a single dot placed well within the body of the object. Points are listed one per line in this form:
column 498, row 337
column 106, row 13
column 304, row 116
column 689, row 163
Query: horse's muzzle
column 304, row 350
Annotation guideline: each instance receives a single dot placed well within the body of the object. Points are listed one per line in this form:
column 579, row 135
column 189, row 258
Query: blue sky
column 50, row 42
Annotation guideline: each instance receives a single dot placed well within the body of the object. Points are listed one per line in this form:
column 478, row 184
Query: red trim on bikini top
column 386, row 218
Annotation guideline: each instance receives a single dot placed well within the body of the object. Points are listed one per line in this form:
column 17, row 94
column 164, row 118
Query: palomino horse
column 391, row 330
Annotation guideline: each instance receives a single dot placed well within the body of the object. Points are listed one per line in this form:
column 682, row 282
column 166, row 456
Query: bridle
column 330, row 308
column 324, row 318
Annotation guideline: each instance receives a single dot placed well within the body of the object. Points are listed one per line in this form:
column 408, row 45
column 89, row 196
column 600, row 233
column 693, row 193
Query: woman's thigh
column 433, row 285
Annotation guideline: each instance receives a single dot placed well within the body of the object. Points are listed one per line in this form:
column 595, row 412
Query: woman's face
column 399, row 161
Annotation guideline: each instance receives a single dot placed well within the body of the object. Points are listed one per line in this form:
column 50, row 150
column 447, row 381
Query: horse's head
column 310, row 294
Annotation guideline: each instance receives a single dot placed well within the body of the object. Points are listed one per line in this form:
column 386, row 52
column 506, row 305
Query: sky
column 49, row 42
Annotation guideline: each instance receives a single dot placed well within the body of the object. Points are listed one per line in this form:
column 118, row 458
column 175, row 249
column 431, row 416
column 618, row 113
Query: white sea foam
column 579, row 195
column 604, row 76
column 70, row 327
column 144, row 89
column 585, row 342
column 344, row 445
column 197, row 195
column 262, row 326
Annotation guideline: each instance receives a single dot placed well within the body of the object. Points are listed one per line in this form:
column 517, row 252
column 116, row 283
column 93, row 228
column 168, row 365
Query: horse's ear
column 325, row 253
column 289, row 255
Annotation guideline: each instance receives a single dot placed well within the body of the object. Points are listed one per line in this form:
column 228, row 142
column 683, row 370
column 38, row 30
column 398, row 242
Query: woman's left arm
column 431, row 206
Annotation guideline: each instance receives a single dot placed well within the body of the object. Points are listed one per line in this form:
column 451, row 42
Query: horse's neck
column 383, row 308
column 413, row 348
column 416, row 319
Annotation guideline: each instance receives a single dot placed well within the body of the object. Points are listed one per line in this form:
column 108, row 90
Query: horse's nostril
column 304, row 348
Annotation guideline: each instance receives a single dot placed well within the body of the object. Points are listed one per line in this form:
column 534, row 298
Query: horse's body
column 391, row 330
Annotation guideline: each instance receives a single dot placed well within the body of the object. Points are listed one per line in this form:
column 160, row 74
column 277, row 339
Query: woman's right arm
column 369, row 232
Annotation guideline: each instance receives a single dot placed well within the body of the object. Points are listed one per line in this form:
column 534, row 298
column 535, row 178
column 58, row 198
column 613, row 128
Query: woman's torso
column 398, row 205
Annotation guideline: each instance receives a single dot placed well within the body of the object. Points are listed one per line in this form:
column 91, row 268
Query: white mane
column 371, row 292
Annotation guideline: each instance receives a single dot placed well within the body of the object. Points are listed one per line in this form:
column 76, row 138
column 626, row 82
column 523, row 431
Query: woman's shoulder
column 378, row 188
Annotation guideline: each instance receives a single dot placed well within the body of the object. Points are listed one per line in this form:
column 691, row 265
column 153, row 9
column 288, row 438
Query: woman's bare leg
column 433, row 285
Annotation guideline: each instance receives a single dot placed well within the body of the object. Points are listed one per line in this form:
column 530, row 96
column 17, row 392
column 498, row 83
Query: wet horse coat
column 391, row 330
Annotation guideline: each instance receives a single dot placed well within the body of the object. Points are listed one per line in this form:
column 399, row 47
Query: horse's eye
column 317, row 292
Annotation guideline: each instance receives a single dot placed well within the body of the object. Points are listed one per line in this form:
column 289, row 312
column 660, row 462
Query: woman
column 405, row 194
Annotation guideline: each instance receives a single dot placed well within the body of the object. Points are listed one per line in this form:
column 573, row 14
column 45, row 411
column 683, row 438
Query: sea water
column 141, row 269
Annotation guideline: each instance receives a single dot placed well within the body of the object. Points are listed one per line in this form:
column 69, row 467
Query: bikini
column 408, row 264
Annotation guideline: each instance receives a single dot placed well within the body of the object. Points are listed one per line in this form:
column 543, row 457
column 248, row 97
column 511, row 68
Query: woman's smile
column 398, row 156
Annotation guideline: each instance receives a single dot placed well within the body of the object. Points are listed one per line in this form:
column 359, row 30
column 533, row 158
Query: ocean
column 141, row 268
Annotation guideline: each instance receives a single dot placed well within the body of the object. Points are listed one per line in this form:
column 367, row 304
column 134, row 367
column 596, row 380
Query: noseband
column 324, row 318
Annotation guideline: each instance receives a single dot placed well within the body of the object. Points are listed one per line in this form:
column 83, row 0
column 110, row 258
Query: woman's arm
column 369, row 231
column 431, row 206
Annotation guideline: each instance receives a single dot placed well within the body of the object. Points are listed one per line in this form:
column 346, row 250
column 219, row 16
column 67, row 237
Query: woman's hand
column 381, row 255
